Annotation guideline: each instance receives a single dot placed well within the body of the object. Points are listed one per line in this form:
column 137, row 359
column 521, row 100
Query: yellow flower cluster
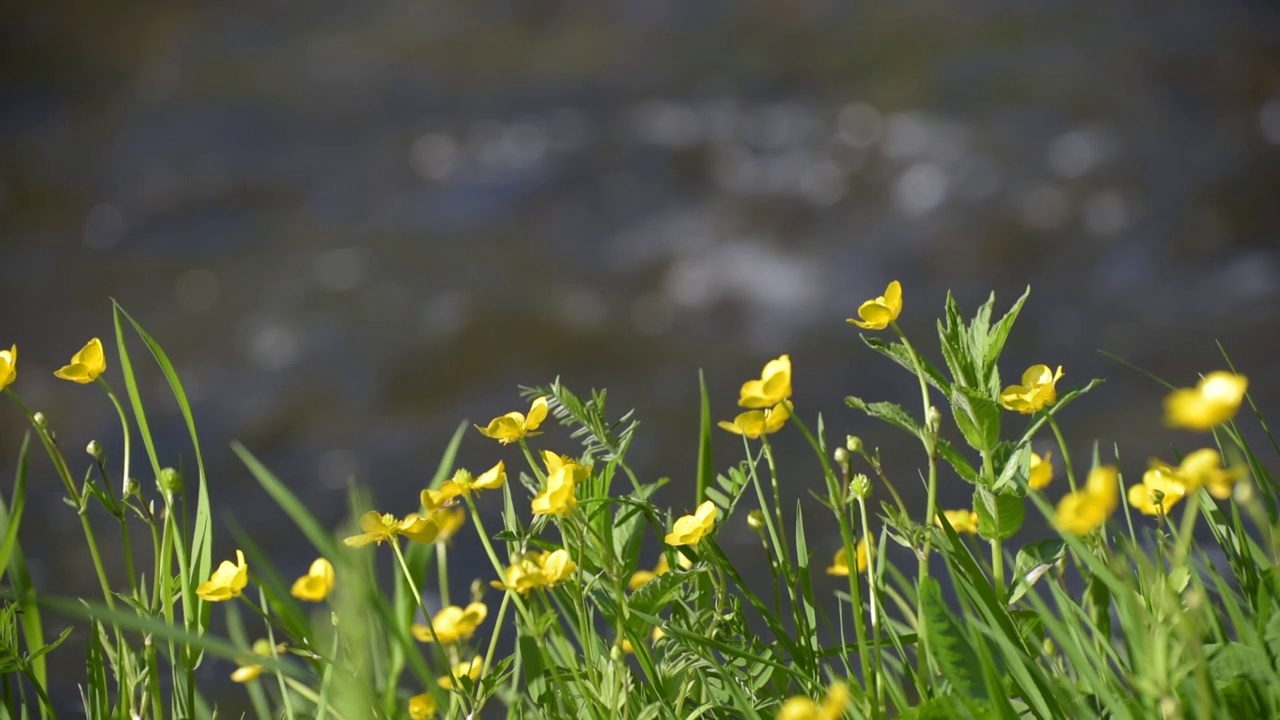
column 563, row 475
column 803, row 708
column 453, row 624
column 537, row 570
column 380, row 528
column 1163, row 485
column 1213, row 401
column 690, row 529
column 1087, row 509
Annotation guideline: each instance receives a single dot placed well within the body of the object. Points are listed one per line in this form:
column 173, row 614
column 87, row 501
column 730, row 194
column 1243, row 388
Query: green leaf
column 891, row 413
column 995, row 342
column 999, row 516
column 1014, row 467
column 706, row 468
column 627, row 521
column 963, row 467
column 948, row 643
column 11, row 520
column 899, row 353
column 977, row 417
column 293, row 507
column 1033, row 561
column 956, row 351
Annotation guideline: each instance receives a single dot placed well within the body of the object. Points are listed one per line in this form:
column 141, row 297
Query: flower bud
column 132, row 487
column 841, row 455
column 933, row 419
column 860, row 486
column 39, row 420
column 853, row 443
column 94, row 448
column 755, row 520
column 170, row 482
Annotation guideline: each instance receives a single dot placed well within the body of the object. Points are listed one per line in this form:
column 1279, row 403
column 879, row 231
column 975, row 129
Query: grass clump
column 1121, row 613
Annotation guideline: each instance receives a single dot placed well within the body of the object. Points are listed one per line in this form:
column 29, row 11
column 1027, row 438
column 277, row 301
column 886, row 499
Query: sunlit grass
column 1125, row 612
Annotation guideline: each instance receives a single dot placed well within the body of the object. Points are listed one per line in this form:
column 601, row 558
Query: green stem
column 442, row 569
column 275, row 655
column 493, row 557
column 777, row 501
column 417, row 597
column 1066, row 454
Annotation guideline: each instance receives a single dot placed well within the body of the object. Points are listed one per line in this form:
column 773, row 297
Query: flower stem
column 1066, row 454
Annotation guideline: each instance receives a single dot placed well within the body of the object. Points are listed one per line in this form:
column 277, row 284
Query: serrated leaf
column 948, row 644
column 1014, row 467
column 891, row 413
column 962, row 466
column 899, row 353
column 996, row 339
column 977, row 417
column 999, row 516
column 1032, row 562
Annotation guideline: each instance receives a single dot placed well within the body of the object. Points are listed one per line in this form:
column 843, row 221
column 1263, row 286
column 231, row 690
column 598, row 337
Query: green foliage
column 1129, row 620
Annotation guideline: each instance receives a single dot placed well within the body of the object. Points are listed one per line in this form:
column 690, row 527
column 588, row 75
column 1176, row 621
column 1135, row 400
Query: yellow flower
column 227, row 581
column 640, row 577
column 449, row 523
column 537, row 570
column 1203, row 468
column 1038, row 389
column 384, row 528
column 1041, row 471
column 878, row 313
column 316, row 584
column 690, row 529
column 453, row 624
column 470, row 669
column 1159, row 490
column 840, row 564
column 247, row 671
column 1085, row 510
column 462, row 483
column 421, row 707
column 1213, row 401
column 86, row 365
column 962, row 521
column 802, row 708
column 754, row 423
column 773, row 387
column 563, row 475
column 8, row 366
column 658, row 634
column 515, row 426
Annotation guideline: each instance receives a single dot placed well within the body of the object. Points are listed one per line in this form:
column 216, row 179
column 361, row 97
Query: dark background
column 353, row 225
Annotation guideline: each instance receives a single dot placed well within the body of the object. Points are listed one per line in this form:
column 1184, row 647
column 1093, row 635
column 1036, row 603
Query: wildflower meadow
column 1154, row 593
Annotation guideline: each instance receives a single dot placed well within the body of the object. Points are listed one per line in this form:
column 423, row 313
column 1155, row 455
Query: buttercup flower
column 316, row 584
column 421, row 707
column 1159, row 491
column 962, row 521
column 384, row 528
column 1041, row 471
column 640, row 577
column 1203, row 468
column 247, row 671
column 563, row 476
column 773, row 387
column 449, row 522
column 470, row 669
column 754, row 423
column 86, row 365
column 462, row 483
column 515, row 426
column 690, row 529
column 453, row 624
column 1087, row 509
column 876, row 314
column 840, row 563
column 1038, row 389
column 1213, row 401
column 802, row 708
column 537, row 570
column 8, row 366
column 226, row 582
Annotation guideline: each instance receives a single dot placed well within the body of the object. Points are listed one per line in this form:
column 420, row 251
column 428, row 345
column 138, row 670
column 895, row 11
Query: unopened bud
column 755, row 520
column 39, row 420
column 860, row 486
column 841, row 455
column 132, row 487
column 933, row 419
column 1048, row 646
column 94, row 448
column 170, row 482
column 853, row 443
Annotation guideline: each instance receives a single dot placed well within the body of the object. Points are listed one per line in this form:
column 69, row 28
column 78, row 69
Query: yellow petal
column 537, row 413
column 246, row 673
column 422, row 707
column 491, row 479
column 8, row 366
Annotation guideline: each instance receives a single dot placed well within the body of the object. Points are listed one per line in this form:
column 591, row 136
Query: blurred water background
column 353, row 225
